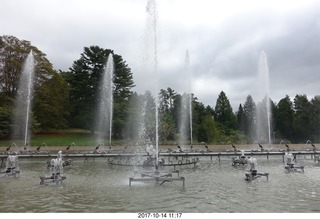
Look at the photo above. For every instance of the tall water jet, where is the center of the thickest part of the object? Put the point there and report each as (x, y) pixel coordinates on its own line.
(153, 153)
(188, 73)
(142, 126)
(186, 106)
(23, 103)
(153, 22)
(264, 109)
(105, 105)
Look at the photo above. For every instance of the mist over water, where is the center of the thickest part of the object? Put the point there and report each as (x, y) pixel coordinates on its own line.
(23, 102)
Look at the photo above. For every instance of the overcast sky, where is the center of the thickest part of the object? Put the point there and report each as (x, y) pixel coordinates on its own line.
(224, 40)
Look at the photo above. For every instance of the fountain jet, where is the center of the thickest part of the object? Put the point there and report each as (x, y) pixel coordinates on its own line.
(264, 111)
(152, 13)
(23, 103)
(156, 176)
(105, 106)
(186, 106)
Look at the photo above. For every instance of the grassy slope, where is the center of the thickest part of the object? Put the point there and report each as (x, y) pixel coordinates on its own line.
(59, 138)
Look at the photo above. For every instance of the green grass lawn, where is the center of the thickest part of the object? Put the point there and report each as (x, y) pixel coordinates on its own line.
(53, 140)
(78, 137)
(58, 138)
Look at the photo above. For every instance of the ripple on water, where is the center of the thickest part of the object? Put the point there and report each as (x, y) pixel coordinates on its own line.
(210, 187)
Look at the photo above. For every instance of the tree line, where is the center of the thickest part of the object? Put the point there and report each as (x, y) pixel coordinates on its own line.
(68, 99)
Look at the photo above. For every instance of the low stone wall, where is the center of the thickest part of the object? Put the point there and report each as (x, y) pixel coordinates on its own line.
(164, 148)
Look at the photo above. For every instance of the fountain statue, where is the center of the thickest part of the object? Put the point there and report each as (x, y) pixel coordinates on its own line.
(290, 163)
(12, 166)
(241, 160)
(56, 170)
(253, 174)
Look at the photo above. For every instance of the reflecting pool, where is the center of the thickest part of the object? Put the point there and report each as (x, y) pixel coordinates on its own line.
(210, 187)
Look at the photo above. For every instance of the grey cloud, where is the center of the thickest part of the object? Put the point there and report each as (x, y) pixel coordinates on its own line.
(224, 57)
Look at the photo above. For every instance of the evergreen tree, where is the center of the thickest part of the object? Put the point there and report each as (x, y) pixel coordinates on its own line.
(133, 122)
(210, 110)
(163, 101)
(199, 115)
(301, 119)
(149, 116)
(241, 119)
(249, 109)
(265, 121)
(284, 118)
(205, 128)
(211, 129)
(315, 118)
(84, 77)
(167, 128)
(224, 114)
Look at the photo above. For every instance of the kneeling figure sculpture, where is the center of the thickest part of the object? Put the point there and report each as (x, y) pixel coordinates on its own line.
(253, 174)
(12, 166)
(290, 164)
(242, 160)
(56, 170)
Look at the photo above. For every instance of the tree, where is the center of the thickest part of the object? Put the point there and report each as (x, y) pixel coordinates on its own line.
(163, 101)
(204, 126)
(284, 118)
(51, 104)
(210, 110)
(249, 109)
(167, 130)
(169, 102)
(223, 112)
(241, 119)
(199, 114)
(210, 127)
(168, 126)
(5, 123)
(315, 118)
(265, 121)
(149, 116)
(123, 83)
(134, 119)
(301, 119)
(171, 96)
(84, 77)
(13, 53)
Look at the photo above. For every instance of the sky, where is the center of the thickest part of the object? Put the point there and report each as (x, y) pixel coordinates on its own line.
(224, 40)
